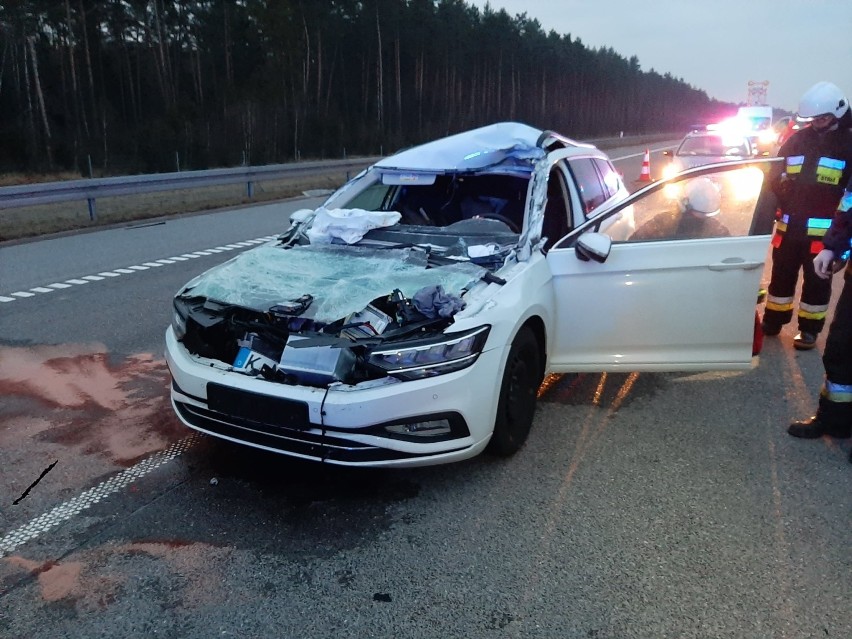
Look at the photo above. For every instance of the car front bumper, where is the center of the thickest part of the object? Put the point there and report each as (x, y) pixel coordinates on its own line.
(342, 424)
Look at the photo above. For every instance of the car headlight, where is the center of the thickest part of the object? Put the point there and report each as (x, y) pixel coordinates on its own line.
(767, 137)
(430, 357)
(670, 170)
(745, 183)
(180, 312)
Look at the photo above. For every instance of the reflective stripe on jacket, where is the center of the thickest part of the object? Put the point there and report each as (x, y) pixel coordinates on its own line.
(811, 180)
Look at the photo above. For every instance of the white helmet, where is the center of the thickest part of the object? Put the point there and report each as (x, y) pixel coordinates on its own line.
(821, 99)
(701, 197)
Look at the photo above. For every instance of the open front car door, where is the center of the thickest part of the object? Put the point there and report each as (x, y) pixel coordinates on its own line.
(676, 293)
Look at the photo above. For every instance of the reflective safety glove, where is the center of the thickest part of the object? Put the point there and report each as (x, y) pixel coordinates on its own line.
(824, 263)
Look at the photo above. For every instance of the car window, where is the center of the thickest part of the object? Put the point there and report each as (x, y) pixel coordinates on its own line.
(695, 146)
(556, 219)
(450, 199)
(736, 147)
(371, 199)
(668, 213)
(746, 208)
(714, 146)
(611, 178)
(589, 184)
(759, 124)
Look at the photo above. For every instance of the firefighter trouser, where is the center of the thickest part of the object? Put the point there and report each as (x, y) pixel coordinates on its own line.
(837, 358)
(795, 253)
(835, 398)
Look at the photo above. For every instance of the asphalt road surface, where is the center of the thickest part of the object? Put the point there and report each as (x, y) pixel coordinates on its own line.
(643, 505)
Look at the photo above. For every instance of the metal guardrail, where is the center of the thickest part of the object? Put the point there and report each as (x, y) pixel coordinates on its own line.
(93, 188)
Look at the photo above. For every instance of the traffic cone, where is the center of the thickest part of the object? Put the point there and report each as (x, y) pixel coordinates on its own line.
(645, 175)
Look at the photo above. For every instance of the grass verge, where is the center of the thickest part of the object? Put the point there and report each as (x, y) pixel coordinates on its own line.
(44, 219)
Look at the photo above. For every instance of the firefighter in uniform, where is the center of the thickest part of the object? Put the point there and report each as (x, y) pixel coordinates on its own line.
(817, 165)
(834, 413)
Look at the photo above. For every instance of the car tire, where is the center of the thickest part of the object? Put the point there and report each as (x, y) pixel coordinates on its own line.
(516, 405)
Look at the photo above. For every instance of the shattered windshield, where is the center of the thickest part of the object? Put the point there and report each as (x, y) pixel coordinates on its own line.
(449, 199)
(347, 277)
(476, 216)
(713, 146)
(467, 189)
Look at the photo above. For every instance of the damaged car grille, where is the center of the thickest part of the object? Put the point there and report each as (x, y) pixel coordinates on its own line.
(323, 446)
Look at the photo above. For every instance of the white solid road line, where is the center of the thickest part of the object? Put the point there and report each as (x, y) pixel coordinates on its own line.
(54, 517)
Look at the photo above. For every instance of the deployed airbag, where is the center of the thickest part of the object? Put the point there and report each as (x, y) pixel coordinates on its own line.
(349, 225)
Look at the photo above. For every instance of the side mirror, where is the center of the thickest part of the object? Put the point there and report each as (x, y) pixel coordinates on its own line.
(593, 246)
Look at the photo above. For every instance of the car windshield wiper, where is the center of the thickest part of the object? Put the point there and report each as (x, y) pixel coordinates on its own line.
(428, 249)
(433, 260)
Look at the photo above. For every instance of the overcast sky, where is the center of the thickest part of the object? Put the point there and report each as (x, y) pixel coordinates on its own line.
(717, 46)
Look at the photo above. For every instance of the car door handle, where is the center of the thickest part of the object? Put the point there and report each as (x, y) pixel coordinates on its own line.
(731, 263)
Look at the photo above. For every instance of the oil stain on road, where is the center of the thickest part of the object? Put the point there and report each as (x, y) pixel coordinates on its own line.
(79, 412)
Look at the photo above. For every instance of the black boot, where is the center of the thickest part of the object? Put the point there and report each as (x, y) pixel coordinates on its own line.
(832, 418)
(814, 427)
(804, 341)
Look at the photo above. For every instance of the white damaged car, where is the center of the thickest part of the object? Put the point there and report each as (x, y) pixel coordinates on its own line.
(411, 319)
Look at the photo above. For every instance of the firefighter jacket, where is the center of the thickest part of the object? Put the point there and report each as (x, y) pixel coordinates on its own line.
(839, 234)
(816, 168)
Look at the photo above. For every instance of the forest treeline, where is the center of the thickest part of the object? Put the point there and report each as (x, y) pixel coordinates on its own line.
(126, 86)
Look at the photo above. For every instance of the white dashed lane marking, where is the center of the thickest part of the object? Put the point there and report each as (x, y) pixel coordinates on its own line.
(144, 266)
(62, 513)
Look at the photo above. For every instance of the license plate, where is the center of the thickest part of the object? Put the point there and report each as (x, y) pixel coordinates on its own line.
(256, 407)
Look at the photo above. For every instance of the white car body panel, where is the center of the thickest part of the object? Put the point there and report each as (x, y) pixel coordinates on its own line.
(648, 306)
(685, 306)
(469, 392)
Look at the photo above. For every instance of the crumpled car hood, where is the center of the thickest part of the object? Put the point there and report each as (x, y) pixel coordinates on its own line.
(342, 279)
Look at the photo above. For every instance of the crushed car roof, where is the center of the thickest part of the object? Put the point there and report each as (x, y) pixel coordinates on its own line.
(504, 143)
